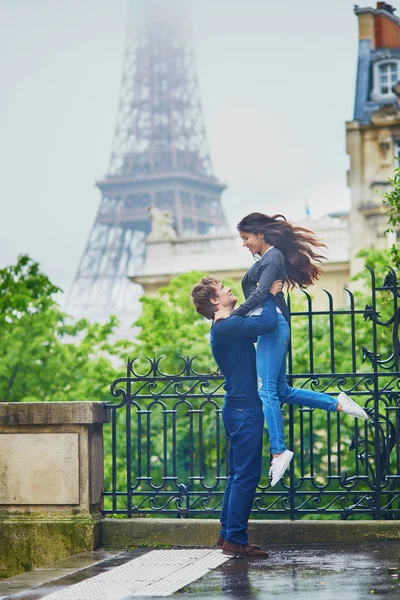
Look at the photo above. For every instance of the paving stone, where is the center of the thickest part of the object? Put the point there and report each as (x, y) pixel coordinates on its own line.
(158, 573)
(50, 574)
(82, 560)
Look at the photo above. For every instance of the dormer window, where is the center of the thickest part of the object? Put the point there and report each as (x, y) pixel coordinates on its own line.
(386, 75)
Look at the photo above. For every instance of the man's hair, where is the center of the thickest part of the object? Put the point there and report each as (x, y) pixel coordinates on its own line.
(201, 295)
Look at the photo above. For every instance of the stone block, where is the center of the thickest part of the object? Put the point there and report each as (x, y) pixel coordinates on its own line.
(30, 541)
(39, 468)
(53, 413)
(51, 481)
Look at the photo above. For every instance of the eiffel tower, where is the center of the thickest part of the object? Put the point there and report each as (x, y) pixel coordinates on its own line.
(159, 159)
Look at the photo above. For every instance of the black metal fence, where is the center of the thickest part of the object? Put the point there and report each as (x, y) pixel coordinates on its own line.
(166, 450)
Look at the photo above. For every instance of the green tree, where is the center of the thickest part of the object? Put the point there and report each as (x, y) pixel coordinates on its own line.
(44, 356)
(391, 204)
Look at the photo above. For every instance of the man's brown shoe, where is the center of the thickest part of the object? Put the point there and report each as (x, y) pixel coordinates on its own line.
(242, 551)
(221, 541)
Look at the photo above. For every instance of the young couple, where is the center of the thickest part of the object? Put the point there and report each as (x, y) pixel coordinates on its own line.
(255, 380)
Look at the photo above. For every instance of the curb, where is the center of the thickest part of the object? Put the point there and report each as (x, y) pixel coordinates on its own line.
(122, 533)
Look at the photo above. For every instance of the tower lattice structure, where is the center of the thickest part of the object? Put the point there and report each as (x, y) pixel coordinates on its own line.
(159, 159)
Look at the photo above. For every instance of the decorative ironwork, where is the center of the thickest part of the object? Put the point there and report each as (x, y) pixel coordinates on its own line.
(167, 443)
(159, 159)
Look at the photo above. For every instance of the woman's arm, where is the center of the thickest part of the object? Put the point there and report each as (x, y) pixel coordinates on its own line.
(268, 273)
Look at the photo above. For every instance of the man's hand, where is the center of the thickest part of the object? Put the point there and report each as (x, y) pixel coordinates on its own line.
(276, 287)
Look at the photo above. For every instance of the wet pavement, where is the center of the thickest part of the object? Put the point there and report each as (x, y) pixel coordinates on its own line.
(45, 580)
(293, 572)
(336, 571)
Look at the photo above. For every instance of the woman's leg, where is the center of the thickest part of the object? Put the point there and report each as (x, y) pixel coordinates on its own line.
(312, 399)
(303, 397)
(271, 358)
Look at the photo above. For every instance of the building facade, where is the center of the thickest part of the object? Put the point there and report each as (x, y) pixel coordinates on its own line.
(373, 136)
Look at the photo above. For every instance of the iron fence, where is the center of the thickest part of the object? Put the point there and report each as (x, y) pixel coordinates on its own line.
(166, 450)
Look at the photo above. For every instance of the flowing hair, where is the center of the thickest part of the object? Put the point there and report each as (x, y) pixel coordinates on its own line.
(297, 244)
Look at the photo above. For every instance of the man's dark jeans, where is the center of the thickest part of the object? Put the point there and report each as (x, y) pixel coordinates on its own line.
(244, 427)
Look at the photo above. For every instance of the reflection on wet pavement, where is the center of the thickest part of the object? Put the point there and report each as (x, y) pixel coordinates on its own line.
(343, 571)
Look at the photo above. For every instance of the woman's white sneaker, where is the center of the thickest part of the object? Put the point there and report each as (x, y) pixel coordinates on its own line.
(351, 408)
(279, 466)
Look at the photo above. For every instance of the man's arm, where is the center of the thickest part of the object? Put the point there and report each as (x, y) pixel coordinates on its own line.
(268, 274)
(251, 327)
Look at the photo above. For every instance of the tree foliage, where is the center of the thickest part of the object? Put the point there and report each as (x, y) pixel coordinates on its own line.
(44, 356)
(391, 204)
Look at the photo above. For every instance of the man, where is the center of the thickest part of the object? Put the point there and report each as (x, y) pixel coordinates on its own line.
(232, 344)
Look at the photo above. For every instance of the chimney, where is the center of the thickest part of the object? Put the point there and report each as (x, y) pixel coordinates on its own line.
(380, 26)
(384, 6)
(387, 30)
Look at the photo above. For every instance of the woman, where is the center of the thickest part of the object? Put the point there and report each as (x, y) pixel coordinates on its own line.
(288, 253)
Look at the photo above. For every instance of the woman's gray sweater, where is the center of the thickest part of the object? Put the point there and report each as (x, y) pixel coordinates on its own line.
(258, 280)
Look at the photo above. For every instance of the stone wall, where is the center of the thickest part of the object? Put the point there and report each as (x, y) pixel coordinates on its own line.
(51, 481)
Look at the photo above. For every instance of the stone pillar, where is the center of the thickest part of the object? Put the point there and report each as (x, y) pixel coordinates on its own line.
(51, 481)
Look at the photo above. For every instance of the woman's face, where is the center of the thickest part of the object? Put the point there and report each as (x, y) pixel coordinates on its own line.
(253, 241)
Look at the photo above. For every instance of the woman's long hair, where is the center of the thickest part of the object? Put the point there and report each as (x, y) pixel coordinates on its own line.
(297, 244)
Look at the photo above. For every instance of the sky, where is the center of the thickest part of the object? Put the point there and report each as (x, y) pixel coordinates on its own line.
(277, 82)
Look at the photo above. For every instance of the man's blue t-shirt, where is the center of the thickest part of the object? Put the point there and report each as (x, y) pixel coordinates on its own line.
(232, 345)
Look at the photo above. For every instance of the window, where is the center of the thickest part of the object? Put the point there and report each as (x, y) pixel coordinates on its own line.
(388, 77)
(386, 73)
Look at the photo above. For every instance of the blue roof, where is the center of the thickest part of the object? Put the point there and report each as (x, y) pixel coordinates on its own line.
(364, 107)
(363, 79)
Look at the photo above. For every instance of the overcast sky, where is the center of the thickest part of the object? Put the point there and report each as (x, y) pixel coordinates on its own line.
(277, 82)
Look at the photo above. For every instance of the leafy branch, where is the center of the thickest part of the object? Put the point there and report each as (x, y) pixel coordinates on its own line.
(391, 205)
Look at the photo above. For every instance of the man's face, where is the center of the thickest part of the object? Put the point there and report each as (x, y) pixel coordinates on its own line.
(225, 297)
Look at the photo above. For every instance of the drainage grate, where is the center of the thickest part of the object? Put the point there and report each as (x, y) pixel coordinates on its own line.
(157, 573)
